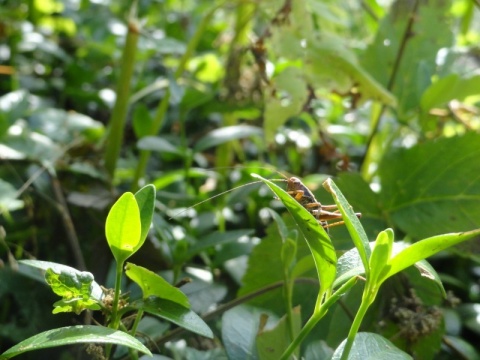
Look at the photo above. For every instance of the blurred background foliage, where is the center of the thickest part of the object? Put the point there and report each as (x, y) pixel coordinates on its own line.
(381, 95)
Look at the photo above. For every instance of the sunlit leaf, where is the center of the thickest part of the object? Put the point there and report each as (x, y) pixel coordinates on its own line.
(317, 239)
(175, 313)
(352, 223)
(154, 285)
(73, 335)
(75, 289)
(123, 227)
(26, 265)
(146, 203)
(373, 347)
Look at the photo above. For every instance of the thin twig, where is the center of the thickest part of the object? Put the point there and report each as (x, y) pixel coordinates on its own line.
(222, 308)
(72, 237)
(398, 59)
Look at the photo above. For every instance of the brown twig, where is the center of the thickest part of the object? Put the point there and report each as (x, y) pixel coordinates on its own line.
(398, 59)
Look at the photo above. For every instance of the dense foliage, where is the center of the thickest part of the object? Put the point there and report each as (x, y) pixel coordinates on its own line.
(100, 98)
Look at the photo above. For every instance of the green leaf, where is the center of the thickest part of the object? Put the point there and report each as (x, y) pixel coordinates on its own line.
(363, 200)
(418, 58)
(73, 335)
(95, 289)
(381, 253)
(146, 203)
(426, 248)
(74, 288)
(330, 61)
(433, 187)
(273, 342)
(372, 347)
(317, 239)
(352, 223)
(142, 121)
(464, 349)
(226, 134)
(174, 313)
(350, 264)
(156, 143)
(217, 238)
(278, 109)
(154, 285)
(123, 228)
(239, 328)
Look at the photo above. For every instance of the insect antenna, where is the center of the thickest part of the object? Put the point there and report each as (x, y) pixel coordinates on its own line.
(220, 194)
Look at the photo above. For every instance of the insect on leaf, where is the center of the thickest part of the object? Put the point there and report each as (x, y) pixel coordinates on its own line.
(317, 239)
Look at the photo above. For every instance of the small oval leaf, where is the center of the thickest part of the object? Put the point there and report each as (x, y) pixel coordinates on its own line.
(123, 227)
(154, 285)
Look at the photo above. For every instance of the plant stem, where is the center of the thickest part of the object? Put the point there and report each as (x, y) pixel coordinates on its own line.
(222, 308)
(114, 321)
(367, 300)
(138, 317)
(288, 294)
(316, 316)
(401, 51)
(163, 106)
(119, 113)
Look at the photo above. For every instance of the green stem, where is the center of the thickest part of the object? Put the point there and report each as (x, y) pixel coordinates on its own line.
(222, 308)
(119, 113)
(288, 294)
(163, 106)
(115, 320)
(316, 316)
(136, 322)
(367, 300)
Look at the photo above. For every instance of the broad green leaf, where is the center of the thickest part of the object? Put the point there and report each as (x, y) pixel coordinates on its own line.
(64, 126)
(350, 264)
(451, 87)
(425, 248)
(330, 61)
(142, 120)
(287, 101)
(418, 58)
(171, 177)
(226, 134)
(156, 143)
(352, 223)
(372, 347)
(95, 293)
(239, 329)
(464, 349)
(433, 187)
(75, 290)
(264, 268)
(174, 313)
(273, 342)
(146, 203)
(217, 238)
(441, 92)
(317, 239)
(9, 197)
(282, 228)
(123, 228)
(154, 285)
(73, 335)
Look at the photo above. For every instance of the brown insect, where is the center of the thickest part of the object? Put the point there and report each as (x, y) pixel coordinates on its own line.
(302, 194)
